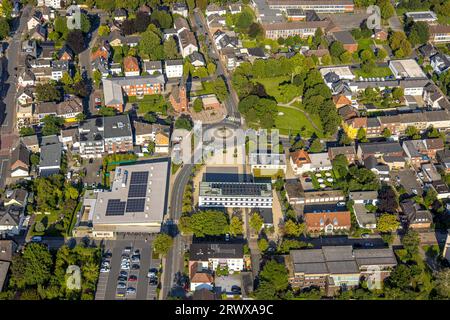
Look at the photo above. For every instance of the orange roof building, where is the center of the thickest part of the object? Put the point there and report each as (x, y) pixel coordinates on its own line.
(300, 157)
(326, 217)
(131, 66)
(341, 101)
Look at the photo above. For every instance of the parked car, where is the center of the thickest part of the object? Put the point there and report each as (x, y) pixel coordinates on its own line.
(104, 270)
(132, 278)
(131, 290)
(152, 273)
(123, 273)
(135, 267)
(153, 281)
(36, 239)
(121, 285)
(122, 278)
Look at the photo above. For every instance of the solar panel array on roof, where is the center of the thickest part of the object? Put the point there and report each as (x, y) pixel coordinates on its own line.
(139, 177)
(137, 191)
(236, 189)
(136, 205)
(115, 207)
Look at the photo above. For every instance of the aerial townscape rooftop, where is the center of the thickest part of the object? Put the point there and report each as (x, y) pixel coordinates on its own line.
(225, 150)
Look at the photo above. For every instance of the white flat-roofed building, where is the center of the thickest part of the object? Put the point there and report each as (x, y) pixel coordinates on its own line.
(173, 68)
(267, 162)
(136, 202)
(209, 256)
(235, 195)
(344, 72)
(424, 16)
(406, 68)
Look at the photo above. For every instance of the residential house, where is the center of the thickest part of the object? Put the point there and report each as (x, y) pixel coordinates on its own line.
(327, 218)
(348, 151)
(103, 51)
(380, 169)
(180, 8)
(25, 95)
(55, 4)
(334, 267)
(296, 195)
(215, 22)
(117, 39)
(116, 69)
(347, 40)
(153, 67)
(59, 68)
(302, 161)
(173, 68)
(145, 9)
(414, 215)
(440, 63)
(210, 255)
(65, 53)
(114, 89)
(11, 220)
(210, 102)
(35, 20)
(439, 33)
(26, 78)
(120, 14)
(434, 98)
(162, 139)
(117, 134)
(379, 150)
(443, 158)
(427, 51)
(422, 151)
(91, 138)
(131, 67)
(397, 124)
(197, 60)
(235, 8)
(39, 33)
(70, 138)
(361, 199)
(31, 143)
(50, 159)
(215, 9)
(20, 161)
(187, 43)
(380, 34)
(200, 278)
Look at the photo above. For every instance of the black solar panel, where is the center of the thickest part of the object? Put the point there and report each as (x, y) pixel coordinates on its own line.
(115, 207)
(137, 191)
(236, 189)
(139, 177)
(136, 205)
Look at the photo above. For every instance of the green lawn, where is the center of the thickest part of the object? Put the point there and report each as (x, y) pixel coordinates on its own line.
(271, 85)
(378, 72)
(150, 103)
(293, 121)
(364, 44)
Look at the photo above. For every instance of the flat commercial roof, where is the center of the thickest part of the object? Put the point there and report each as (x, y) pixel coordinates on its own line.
(343, 72)
(234, 189)
(137, 196)
(407, 68)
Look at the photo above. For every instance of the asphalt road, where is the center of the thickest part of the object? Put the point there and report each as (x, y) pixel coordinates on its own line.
(8, 92)
(174, 259)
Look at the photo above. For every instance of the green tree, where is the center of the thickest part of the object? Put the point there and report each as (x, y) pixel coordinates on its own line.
(46, 92)
(387, 223)
(184, 122)
(206, 223)
(412, 132)
(419, 33)
(4, 28)
(432, 132)
(442, 283)
(170, 49)
(316, 146)
(26, 131)
(293, 229)
(150, 45)
(236, 226)
(361, 135)
(161, 19)
(256, 222)
(211, 68)
(162, 243)
(411, 241)
(52, 125)
(220, 89)
(33, 267)
(34, 159)
(39, 226)
(198, 105)
(103, 31)
(401, 277)
(386, 133)
(276, 274)
(263, 245)
(386, 8)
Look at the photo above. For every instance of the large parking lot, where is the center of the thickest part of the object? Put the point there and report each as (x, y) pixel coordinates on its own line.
(128, 263)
